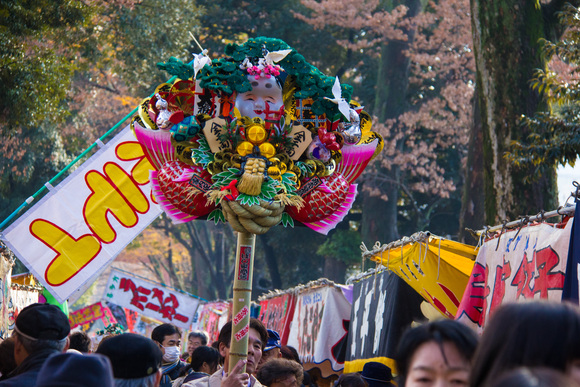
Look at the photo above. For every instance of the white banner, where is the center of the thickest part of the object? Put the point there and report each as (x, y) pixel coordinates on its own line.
(82, 224)
(525, 264)
(150, 299)
(318, 330)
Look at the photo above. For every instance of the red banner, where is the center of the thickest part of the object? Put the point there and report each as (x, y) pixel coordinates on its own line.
(276, 313)
(91, 313)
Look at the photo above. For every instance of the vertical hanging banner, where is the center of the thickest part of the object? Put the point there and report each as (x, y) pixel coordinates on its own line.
(212, 317)
(529, 263)
(383, 307)
(82, 224)
(5, 273)
(571, 290)
(276, 313)
(150, 299)
(320, 328)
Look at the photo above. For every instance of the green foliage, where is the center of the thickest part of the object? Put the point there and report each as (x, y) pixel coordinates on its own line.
(149, 32)
(342, 245)
(35, 70)
(555, 137)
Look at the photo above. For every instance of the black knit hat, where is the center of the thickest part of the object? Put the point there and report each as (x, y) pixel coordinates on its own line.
(74, 370)
(377, 374)
(42, 321)
(133, 356)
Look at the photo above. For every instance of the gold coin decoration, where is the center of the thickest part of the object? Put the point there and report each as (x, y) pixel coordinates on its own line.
(267, 150)
(256, 134)
(245, 148)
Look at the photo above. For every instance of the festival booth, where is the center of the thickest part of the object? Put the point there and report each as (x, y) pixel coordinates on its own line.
(437, 268)
(320, 326)
(521, 260)
(383, 307)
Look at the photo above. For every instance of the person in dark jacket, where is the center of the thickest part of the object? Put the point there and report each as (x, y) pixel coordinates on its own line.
(168, 338)
(40, 331)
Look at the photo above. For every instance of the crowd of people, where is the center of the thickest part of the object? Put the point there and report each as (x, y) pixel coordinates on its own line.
(529, 344)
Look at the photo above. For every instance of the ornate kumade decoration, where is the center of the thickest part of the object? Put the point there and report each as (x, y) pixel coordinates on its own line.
(257, 138)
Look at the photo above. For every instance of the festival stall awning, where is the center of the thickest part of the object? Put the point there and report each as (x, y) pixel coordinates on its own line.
(383, 307)
(320, 326)
(437, 268)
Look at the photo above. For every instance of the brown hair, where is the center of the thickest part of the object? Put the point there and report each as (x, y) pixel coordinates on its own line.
(278, 369)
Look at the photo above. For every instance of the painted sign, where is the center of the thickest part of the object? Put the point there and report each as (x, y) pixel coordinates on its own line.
(383, 306)
(150, 299)
(320, 326)
(82, 224)
(90, 313)
(276, 313)
(522, 264)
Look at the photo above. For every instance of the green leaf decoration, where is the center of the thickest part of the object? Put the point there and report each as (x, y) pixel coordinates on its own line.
(305, 169)
(203, 154)
(224, 178)
(248, 200)
(269, 190)
(217, 216)
(176, 67)
(289, 184)
(287, 220)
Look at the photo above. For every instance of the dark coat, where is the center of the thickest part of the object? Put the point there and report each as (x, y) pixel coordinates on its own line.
(26, 373)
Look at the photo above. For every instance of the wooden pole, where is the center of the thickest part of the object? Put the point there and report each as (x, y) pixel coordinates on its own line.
(241, 299)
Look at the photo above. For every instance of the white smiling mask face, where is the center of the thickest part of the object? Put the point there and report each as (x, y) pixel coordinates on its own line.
(265, 93)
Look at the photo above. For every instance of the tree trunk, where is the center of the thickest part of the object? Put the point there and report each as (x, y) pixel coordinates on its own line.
(380, 217)
(472, 210)
(334, 269)
(505, 40)
(271, 261)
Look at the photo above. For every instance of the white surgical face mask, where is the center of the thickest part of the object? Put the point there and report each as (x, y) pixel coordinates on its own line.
(171, 354)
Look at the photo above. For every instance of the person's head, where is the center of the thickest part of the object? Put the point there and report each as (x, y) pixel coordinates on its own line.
(168, 337)
(272, 347)
(280, 373)
(136, 360)
(350, 380)
(290, 353)
(377, 374)
(529, 334)
(205, 359)
(80, 341)
(266, 94)
(195, 339)
(534, 377)
(39, 327)
(7, 362)
(74, 370)
(435, 352)
(258, 336)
